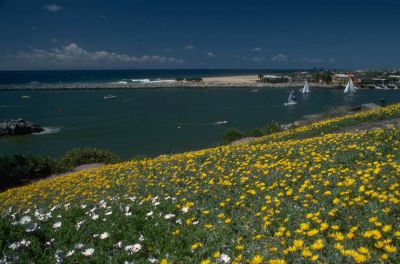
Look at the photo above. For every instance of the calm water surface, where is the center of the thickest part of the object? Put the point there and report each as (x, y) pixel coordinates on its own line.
(153, 122)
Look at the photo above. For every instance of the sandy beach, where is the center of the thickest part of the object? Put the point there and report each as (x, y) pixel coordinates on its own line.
(239, 81)
(244, 79)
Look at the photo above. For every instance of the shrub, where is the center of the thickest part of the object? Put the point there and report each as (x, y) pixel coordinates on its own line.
(194, 79)
(231, 135)
(255, 133)
(179, 79)
(19, 169)
(272, 127)
(78, 157)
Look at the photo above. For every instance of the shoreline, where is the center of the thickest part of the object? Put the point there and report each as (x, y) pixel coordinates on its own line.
(240, 81)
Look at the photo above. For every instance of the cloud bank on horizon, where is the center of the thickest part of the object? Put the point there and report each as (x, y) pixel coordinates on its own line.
(73, 55)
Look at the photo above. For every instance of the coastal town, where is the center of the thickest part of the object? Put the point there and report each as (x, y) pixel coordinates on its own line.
(368, 79)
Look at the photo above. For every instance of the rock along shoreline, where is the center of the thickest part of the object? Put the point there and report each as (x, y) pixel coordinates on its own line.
(19, 127)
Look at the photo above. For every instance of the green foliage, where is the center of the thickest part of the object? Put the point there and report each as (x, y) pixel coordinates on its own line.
(16, 170)
(19, 169)
(271, 127)
(194, 79)
(78, 157)
(255, 133)
(179, 79)
(231, 135)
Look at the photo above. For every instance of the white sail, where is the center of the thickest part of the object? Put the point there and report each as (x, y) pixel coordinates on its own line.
(350, 88)
(306, 88)
(290, 96)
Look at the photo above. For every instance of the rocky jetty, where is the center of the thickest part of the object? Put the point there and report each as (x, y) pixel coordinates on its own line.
(19, 127)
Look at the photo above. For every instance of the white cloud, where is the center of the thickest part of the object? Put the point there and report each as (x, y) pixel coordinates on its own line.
(211, 54)
(189, 47)
(168, 50)
(53, 40)
(308, 60)
(280, 58)
(256, 49)
(73, 55)
(52, 7)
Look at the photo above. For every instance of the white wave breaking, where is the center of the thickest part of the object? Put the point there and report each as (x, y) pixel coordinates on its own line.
(48, 130)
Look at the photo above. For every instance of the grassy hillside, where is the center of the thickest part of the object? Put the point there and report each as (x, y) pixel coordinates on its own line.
(298, 196)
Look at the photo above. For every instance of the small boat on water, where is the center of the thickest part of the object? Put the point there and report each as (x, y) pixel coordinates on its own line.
(393, 86)
(292, 100)
(108, 97)
(350, 88)
(306, 88)
(220, 123)
(255, 91)
(25, 96)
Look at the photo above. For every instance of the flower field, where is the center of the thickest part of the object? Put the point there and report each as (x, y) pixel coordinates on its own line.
(299, 196)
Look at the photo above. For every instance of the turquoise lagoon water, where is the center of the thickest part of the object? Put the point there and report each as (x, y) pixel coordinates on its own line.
(156, 121)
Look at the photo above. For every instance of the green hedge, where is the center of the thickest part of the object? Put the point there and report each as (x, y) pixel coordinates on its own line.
(16, 170)
(78, 157)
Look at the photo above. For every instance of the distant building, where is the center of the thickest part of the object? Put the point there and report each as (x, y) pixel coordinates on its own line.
(269, 78)
(394, 78)
(302, 76)
(340, 79)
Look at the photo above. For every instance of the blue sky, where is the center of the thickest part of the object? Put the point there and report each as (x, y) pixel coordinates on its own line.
(134, 34)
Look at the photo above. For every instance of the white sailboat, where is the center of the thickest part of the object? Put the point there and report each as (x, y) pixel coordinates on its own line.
(350, 88)
(291, 99)
(306, 88)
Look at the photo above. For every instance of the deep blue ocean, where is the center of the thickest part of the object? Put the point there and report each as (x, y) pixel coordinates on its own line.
(99, 76)
(151, 121)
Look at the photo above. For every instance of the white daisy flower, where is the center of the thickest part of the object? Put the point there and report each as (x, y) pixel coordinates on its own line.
(118, 245)
(70, 253)
(224, 258)
(57, 225)
(149, 213)
(169, 216)
(14, 245)
(185, 209)
(25, 219)
(25, 242)
(104, 235)
(141, 238)
(54, 207)
(152, 260)
(79, 246)
(79, 224)
(95, 216)
(88, 252)
(132, 249)
(31, 227)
